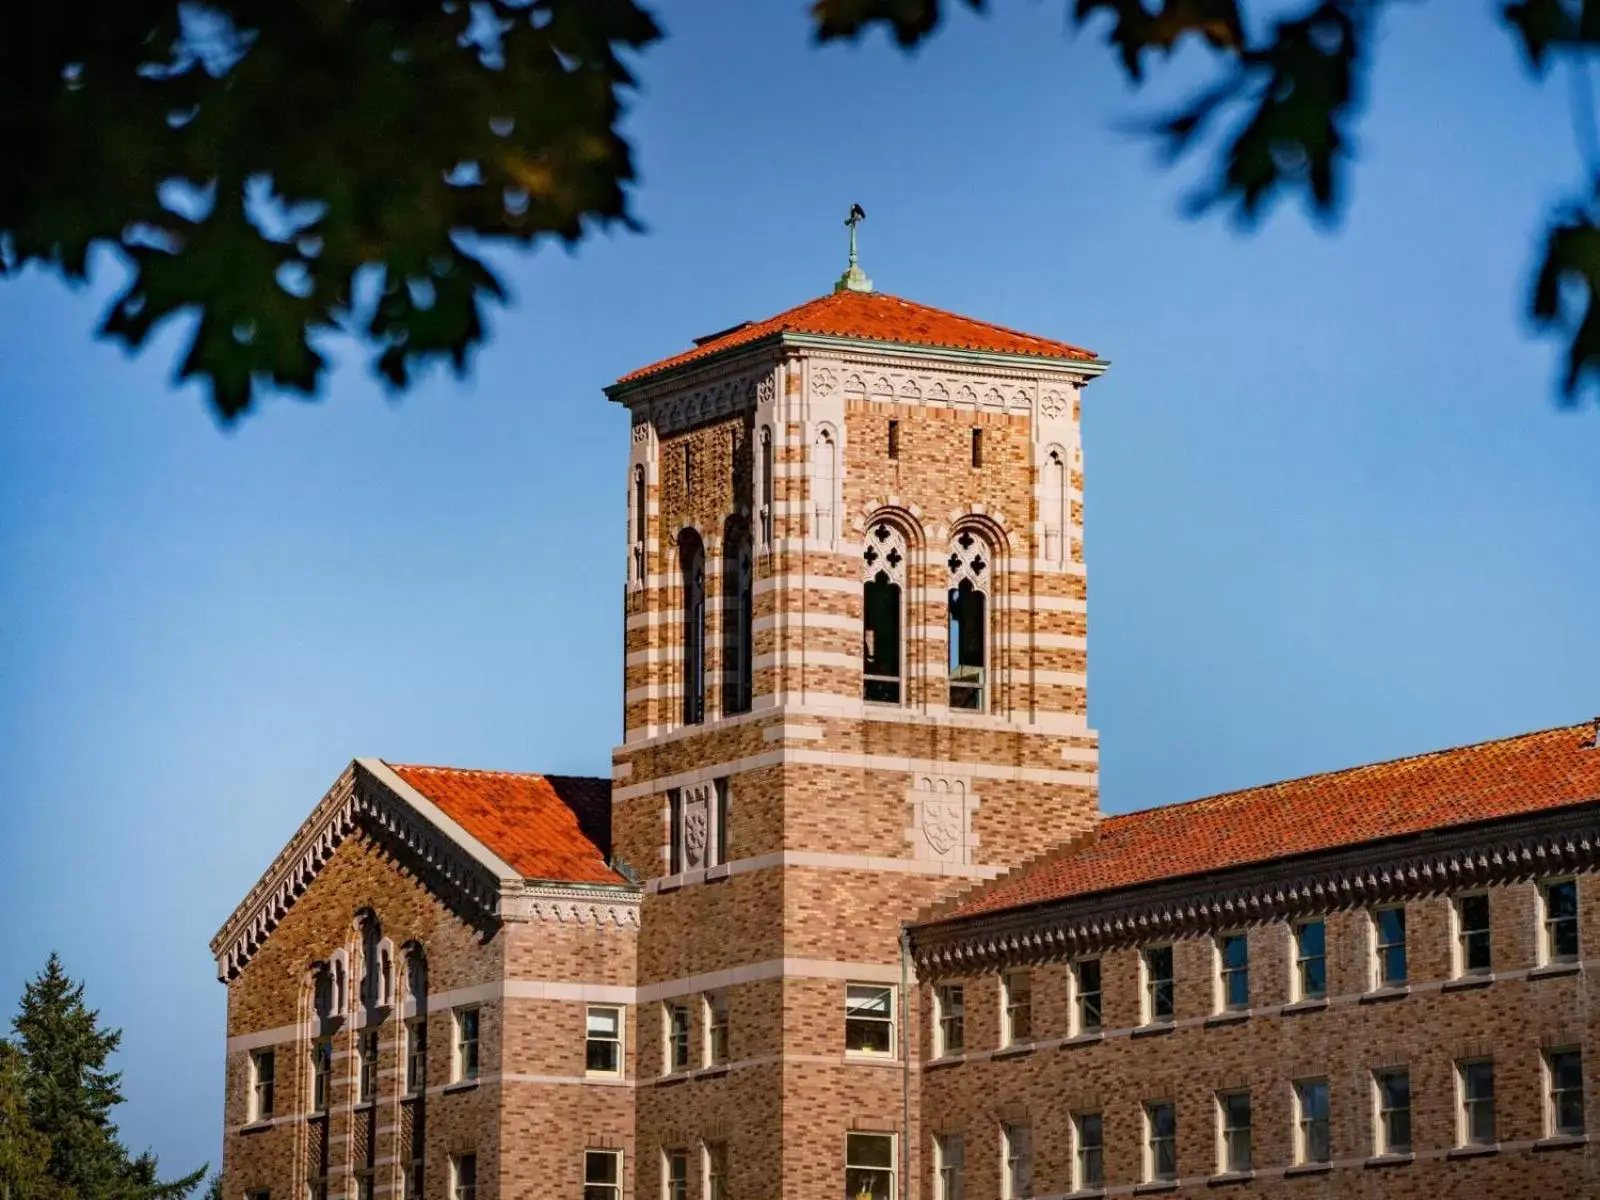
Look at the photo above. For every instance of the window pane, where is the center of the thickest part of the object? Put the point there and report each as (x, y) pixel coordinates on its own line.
(1561, 917)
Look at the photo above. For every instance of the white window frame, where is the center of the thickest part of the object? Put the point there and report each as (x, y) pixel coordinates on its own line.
(1148, 984)
(1016, 1160)
(620, 1015)
(595, 1189)
(891, 1021)
(1303, 1121)
(465, 1067)
(1298, 962)
(1547, 953)
(1458, 936)
(1463, 1114)
(1552, 1107)
(944, 1018)
(458, 1190)
(1009, 1008)
(671, 1042)
(367, 1066)
(1079, 1026)
(891, 1171)
(713, 1183)
(949, 1169)
(1382, 1141)
(669, 1158)
(714, 1019)
(1147, 1171)
(1080, 1176)
(321, 1074)
(416, 1035)
(1225, 1163)
(1376, 947)
(1219, 954)
(259, 1107)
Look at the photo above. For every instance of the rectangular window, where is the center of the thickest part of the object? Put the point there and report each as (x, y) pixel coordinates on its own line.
(316, 1189)
(464, 1177)
(1017, 1182)
(1559, 901)
(950, 1160)
(1088, 1151)
(716, 1170)
(869, 1166)
(949, 1000)
(1311, 1136)
(1471, 916)
(1310, 960)
(1475, 1117)
(1564, 1080)
(977, 447)
(466, 1056)
(321, 1073)
(675, 1175)
(416, 1056)
(263, 1067)
(602, 1175)
(674, 832)
(1086, 995)
(1394, 1111)
(716, 1019)
(881, 664)
(1233, 972)
(1017, 990)
(364, 1185)
(894, 439)
(868, 1019)
(367, 1076)
(675, 1023)
(602, 1050)
(411, 1180)
(1389, 946)
(720, 844)
(258, 1194)
(1160, 1142)
(1233, 1132)
(1156, 963)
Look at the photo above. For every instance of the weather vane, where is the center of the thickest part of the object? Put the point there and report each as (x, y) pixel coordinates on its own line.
(854, 278)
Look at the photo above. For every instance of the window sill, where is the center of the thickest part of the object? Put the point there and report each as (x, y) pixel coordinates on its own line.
(460, 1085)
(672, 1077)
(1473, 1151)
(1217, 1020)
(257, 1126)
(1383, 994)
(1316, 1168)
(606, 1076)
(868, 1056)
(1092, 1193)
(1151, 1029)
(943, 1061)
(718, 873)
(1562, 1141)
(712, 1072)
(1155, 1185)
(669, 883)
(1015, 1050)
(1389, 1160)
(1462, 983)
(1315, 1004)
(1083, 1039)
(1226, 1178)
(1554, 970)
(364, 1105)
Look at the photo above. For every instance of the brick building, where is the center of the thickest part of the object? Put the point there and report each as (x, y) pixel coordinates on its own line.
(854, 708)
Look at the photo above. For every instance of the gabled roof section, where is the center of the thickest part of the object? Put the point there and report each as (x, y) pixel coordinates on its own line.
(1534, 772)
(536, 823)
(874, 317)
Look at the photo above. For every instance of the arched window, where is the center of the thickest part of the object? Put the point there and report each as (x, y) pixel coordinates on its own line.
(883, 575)
(766, 488)
(825, 470)
(970, 573)
(737, 614)
(338, 983)
(692, 560)
(1055, 508)
(637, 532)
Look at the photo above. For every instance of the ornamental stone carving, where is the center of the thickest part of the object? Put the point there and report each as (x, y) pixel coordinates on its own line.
(696, 825)
(941, 820)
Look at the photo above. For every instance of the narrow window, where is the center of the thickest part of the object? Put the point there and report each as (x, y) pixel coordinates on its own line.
(766, 488)
(894, 438)
(1394, 1111)
(1055, 509)
(1475, 1087)
(691, 554)
(869, 1166)
(675, 1020)
(740, 668)
(602, 1175)
(1018, 1179)
(1560, 905)
(1471, 915)
(676, 1175)
(602, 1051)
(968, 624)
(316, 1189)
(716, 1170)
(1311, 1140)
(1310, 960)
(1389, 946)
(1160, 1142)
(639, 515)
(1158, 986)
(1018, 997)
(674, 832)
(868, 1019)
(883, 578)
(1233, 972)
(466, 1056)
(416, 1056)
(950, 1002)
(258, 1194)
(1088, 1151)
(716, 1022)
(950, 1152)
(824, 456)
(720, 834)
(364, 1185)
(1564, 1086)
(410, 1181)
(977, 447)
(263, 1067)
(1086, 995)
(1233, 1118)
(464, 1177)
(321, 1073)
(367, 1077)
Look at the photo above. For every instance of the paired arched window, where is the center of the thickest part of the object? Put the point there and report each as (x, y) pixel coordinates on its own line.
(971, 570)
(737, 616)
(638, 523)
(692, 561)
(883, 576)
(1054, 507)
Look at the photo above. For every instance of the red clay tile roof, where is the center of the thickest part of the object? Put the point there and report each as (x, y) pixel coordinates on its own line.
(536, 823)
(874, 316)
(1535, 771)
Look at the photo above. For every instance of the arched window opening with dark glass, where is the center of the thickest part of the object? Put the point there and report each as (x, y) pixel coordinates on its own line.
(692, 557)
(968, 621)
(882, 591)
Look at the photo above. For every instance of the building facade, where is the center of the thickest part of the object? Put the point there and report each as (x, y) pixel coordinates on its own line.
(815, 935)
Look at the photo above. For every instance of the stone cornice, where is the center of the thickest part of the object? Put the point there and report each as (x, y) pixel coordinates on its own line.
(1442, 860)
(600, 905)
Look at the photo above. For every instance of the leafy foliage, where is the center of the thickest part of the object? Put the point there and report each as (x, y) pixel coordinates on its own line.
(280, 168)
(1284, 106)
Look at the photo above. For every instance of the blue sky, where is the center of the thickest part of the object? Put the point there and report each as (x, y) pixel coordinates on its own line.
(1334, 513)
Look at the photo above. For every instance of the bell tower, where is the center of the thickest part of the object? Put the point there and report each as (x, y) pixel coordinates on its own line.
(854, 686)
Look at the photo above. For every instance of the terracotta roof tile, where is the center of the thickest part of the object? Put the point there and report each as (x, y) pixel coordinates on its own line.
(874, 316)
(1549, 769)
(544, 826)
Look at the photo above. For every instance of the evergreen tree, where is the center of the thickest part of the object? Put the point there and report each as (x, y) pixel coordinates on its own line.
(69, 1094)
(24, 1152)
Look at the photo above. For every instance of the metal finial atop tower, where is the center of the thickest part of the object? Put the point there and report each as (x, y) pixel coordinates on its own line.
(854, 278)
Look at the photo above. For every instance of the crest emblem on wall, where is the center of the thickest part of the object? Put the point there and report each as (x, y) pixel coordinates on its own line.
(941, 823)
